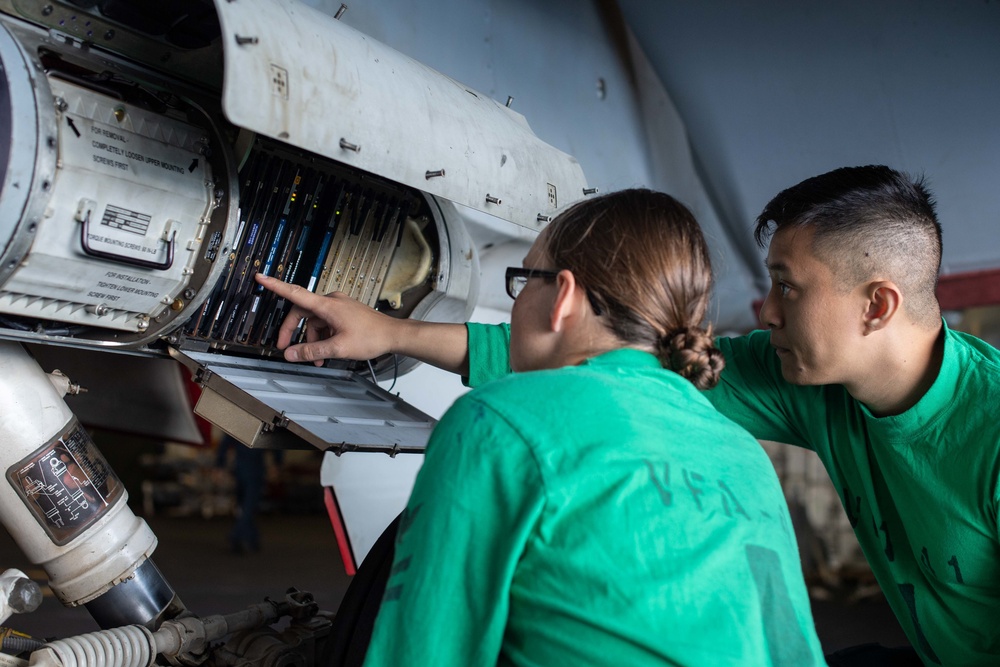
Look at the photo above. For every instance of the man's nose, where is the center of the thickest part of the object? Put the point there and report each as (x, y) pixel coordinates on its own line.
(769, 313)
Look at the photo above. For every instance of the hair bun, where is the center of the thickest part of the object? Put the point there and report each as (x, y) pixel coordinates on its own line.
(691, 353)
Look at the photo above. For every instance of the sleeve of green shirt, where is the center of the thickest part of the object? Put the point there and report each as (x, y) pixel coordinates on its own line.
(752, 391)
(489, 353)
(475, 502)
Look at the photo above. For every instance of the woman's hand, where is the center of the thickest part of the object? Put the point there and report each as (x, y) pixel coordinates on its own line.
(336, 326)
(339, 327)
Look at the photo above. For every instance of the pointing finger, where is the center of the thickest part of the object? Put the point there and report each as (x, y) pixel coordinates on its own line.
(300, 296)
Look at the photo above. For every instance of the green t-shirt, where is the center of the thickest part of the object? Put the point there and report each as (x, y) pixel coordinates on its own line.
(601, 514)
(922, 489)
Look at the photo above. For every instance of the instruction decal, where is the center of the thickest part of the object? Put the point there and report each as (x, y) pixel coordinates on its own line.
(66, 485)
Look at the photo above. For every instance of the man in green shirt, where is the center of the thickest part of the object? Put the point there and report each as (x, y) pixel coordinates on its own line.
(858, 366)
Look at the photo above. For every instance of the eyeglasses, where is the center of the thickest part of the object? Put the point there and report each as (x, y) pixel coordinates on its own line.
(517, 278)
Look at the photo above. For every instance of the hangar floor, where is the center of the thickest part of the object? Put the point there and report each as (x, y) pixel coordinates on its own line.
(300, 550)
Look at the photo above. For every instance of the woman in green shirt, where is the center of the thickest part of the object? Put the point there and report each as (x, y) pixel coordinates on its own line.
(593, 508)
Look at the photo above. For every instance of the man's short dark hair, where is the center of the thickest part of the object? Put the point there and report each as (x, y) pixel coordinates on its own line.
(870, 223)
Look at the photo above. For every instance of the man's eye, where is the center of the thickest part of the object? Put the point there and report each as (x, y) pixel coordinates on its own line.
(783, 289)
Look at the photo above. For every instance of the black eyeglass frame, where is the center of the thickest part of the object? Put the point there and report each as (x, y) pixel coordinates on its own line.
(515, 272)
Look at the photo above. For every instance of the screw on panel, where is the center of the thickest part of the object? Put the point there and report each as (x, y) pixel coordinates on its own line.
(100, 309)
(543, 218)
(119, 114)
(109, 35)
(61, 104)
(243, 40)
(590, 191)
(510, 100)
(46, 10)
(340, 12)
(348, 146)
(490, 199)
(434, 174)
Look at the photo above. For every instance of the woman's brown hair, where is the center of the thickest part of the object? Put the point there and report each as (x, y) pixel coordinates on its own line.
(644, 262)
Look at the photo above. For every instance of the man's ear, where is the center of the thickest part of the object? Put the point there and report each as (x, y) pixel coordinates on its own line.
(884, 302)
(567, 303)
